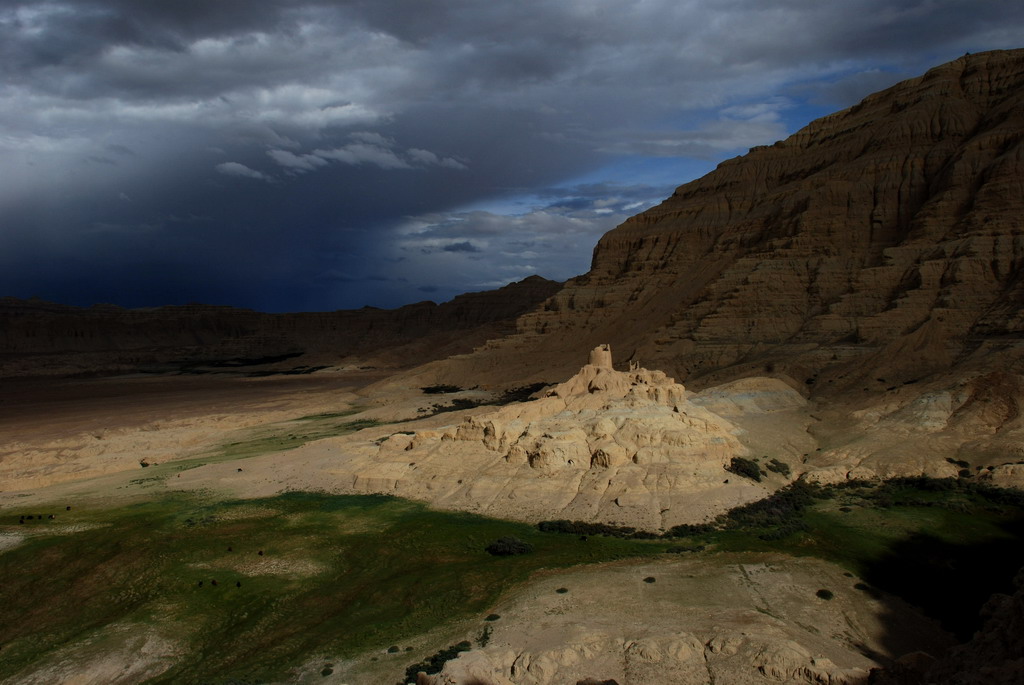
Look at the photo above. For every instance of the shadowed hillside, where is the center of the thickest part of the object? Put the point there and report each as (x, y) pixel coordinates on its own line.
(40, 338)
(882, 241)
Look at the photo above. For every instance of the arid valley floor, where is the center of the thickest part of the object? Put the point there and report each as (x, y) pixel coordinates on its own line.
(774, 435)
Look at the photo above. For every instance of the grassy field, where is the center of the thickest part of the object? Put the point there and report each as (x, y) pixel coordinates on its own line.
(337, 575)
(304, 575)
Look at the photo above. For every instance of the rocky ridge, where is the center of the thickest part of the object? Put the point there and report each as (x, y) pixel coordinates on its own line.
(44, 339)
(622, 447)
(882, 238)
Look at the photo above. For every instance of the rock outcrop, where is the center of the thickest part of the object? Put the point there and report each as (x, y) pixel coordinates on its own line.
(621, 447)
(702, 621)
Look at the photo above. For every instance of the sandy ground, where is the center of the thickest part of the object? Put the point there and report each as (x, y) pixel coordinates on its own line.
(725, 618)
(76, 436)
(736, 618)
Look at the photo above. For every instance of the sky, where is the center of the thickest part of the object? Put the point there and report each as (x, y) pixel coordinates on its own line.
(314, 155)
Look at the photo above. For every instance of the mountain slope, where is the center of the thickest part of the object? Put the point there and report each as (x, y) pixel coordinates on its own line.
(885, 239)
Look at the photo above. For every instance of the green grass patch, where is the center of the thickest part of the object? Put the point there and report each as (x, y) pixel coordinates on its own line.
(288, 436)
(338, 575)
(279, 437)
(303, 575)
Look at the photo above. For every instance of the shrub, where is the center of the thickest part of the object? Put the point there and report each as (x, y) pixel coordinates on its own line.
(584, 528)
(780, 467)
(440, 389)
(824, 594)
(562, 590)
(783, 508)
(745, 467)
(492, 617)
(434, 663)
(685, 530)
(508, 546)
(649, 579)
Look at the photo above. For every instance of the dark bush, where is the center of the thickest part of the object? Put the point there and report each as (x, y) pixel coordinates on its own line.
(562, 590)
(824, 594)
(783, 508)
(434, 663)
(440, 389)
(650, 579)
(584, 528)
(867, 589)
(780, 467)
(685, 530)
(492, 617)
(508, 546)
(745, 467)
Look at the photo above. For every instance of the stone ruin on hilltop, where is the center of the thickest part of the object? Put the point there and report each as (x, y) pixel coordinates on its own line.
(617, 446)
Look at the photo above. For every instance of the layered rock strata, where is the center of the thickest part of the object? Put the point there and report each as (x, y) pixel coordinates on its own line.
(622, 447)
(881, 241)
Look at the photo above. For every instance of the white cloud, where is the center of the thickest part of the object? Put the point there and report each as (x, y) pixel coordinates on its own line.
(710, 140)
(237, 169)
(428, 158)
(296, 162)
(364, 153)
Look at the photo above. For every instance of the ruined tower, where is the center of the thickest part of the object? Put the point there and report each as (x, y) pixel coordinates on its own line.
(601, 356)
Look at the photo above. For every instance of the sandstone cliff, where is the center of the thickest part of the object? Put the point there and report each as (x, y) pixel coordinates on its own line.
(883, 241)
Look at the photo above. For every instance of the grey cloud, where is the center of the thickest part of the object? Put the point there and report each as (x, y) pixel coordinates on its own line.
(853, 88)
(383, 128)
(364, 153)
(297, 162)
(237, 169)
(464, 246)
(712, 139)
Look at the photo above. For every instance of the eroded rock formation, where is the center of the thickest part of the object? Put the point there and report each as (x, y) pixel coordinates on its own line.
(883, 241)
(622, 447)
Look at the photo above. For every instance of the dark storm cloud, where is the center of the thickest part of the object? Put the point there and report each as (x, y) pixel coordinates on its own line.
(464, 246)
(356, 151)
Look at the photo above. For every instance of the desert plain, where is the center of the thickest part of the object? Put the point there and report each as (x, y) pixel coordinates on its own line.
(773, 435)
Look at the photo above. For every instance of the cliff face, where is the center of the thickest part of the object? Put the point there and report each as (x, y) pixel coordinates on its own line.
(884, 239)
(38, 338)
